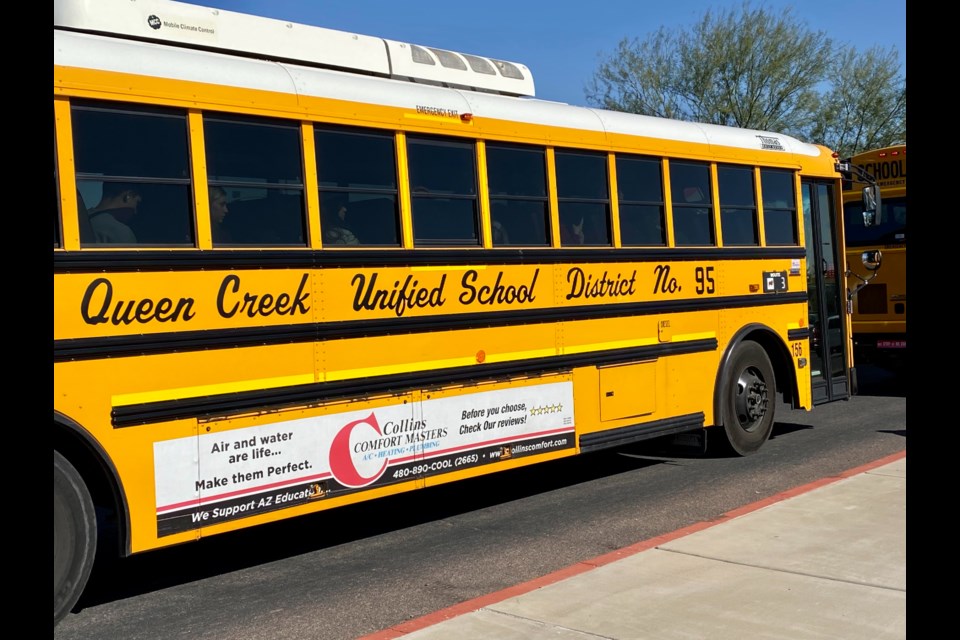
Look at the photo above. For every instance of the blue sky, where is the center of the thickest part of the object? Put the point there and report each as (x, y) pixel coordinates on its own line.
(563, 42)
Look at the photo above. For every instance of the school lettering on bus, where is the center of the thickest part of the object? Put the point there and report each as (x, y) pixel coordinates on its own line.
(99, 307)
(586, 285)
(231, 300)
(888, 172)
(251, 298)
(498, 292)
(398, 297)
(102, 305)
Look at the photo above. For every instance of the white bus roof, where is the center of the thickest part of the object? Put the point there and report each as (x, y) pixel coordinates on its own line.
(175, 61)
(216, 29)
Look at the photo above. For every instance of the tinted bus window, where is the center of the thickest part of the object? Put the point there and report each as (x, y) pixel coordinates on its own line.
(133, 173)
(640, 196)
(890, 226)
(519, 209)
(779, 207)
(583, 194)
(738, 206)
(357, 173)
(258, 164)
(443, 179)
(692, 204)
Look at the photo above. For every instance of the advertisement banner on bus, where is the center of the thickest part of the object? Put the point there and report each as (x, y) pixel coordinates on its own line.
(225, 475)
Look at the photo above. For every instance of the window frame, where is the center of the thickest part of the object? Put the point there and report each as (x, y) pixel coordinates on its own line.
(789, 209)
(623, 201)
(582, 200)
(347, 194)
(423, 193)
(280, 191)
(728, 209)
(519, 198)
(155, 184)
(678, 205)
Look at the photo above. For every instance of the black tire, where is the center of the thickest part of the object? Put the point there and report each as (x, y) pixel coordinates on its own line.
(74, 536)
(749, 399)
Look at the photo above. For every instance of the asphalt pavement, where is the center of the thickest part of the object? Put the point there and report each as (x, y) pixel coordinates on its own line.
(823, 561)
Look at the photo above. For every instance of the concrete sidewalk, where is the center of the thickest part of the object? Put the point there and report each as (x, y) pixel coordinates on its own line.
(823, 561)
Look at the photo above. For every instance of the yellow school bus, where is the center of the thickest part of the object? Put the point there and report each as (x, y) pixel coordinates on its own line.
(880, 309)
(296, 269)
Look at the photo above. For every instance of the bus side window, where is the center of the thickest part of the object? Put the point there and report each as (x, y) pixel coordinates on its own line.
(583, 196)
(141, 153)
(376, 221)
(640, 198)
(259, 162)
(738, 206)
(779, 207)
(285, 215)
(262, 217)
(519, 211)
(444, 197)
(692, 204)
(357, 169)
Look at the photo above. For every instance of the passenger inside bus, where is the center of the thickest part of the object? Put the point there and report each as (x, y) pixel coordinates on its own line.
(500, 235)
(336, 230)
(498, 216)
(218, 216)
(572, 232)
(111, 217)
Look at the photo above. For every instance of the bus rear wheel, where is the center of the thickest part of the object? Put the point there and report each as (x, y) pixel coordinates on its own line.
(74, 536)
(749, 399)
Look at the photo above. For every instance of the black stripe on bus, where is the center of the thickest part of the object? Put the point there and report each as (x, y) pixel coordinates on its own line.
(638, 432)
(798, 334)
(221, 405)
(174, 259)
(126, 346)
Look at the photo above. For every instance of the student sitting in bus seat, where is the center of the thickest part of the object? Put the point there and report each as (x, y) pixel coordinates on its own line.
(335, 228)
(500, 235)
(595, 230)
(498, 213)
(572, 232)
(218, 216)
(111, 216)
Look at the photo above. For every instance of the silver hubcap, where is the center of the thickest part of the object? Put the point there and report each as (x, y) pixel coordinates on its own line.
(751, 401)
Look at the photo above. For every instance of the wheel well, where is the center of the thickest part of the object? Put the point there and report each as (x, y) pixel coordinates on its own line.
(77, 446)
(779, 357)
